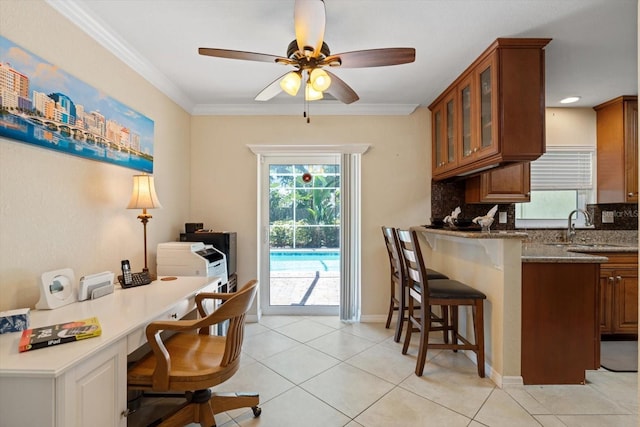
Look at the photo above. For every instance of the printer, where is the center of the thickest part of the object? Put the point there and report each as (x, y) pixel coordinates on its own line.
(191, 259)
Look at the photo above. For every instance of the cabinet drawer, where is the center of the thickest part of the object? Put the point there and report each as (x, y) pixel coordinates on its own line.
(138, 338)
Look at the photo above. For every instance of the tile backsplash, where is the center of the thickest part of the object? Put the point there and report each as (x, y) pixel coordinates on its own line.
(446, 196)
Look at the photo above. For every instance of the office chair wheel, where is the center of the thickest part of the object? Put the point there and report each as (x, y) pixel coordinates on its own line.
(256, 411)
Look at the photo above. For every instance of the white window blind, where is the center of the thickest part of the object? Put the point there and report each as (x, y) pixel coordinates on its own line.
(563, 170)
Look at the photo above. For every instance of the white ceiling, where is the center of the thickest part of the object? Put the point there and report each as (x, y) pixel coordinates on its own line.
(593, 53)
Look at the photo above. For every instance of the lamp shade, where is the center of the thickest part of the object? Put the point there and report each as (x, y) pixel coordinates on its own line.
(144, 193)
(311, 94)
(291, 83)
(320, 80)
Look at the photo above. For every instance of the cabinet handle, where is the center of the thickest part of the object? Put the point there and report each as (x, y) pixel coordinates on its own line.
(630, 194)
(611, 279)
(618, 278)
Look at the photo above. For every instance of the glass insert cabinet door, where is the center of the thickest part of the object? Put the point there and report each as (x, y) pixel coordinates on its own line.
(467, 139)
(486, 117)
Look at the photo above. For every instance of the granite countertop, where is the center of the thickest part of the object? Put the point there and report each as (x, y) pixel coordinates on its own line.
(472, 233)
(559, 252)
(563, 252)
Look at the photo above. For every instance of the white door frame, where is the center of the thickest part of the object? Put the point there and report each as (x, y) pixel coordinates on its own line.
(350, 263)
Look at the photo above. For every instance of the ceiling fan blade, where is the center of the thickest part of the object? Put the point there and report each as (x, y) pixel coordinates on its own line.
(373, 57)
(272, 90)
(309, 18)
(341, 90)
(238, 54)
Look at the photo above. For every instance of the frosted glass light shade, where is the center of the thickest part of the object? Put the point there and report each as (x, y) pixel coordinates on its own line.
(310, 94)
(320, 80)
(144, 194)
(291, 83)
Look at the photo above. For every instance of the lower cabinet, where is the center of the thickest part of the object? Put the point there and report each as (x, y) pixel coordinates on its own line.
(93, 393)
(560, 333)
(619, 294)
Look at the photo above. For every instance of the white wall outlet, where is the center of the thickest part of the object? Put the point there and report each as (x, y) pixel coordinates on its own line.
(607, 217)
(502, 218)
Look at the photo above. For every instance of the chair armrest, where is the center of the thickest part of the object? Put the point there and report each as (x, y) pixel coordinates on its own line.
(207, 296)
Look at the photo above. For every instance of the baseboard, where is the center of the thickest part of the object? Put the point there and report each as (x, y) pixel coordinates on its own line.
(374, 318)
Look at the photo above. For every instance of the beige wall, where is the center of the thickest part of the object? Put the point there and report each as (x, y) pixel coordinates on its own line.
(571, 126)
(60, 211)
(395, 181)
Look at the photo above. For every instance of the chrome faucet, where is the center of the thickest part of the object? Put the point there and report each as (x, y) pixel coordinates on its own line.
(571, 227)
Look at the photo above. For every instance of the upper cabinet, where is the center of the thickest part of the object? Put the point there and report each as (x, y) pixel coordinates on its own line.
(493, 113)
(617, 135)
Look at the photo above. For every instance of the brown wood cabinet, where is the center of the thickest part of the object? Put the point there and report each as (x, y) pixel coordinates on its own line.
(617, 134)
(507, 184)
(619, 294)
(493, 113)
(560, 331)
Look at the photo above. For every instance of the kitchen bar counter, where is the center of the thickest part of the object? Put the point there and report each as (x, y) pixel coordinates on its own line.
(494, 263)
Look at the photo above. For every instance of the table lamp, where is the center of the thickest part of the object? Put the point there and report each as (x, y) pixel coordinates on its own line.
(144, 197)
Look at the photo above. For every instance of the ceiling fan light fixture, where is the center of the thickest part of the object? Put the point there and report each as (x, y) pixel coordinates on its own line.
(320, 80)
(291, 83)
(310, 94)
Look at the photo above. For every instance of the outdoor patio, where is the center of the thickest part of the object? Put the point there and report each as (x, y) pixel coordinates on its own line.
(305, 288)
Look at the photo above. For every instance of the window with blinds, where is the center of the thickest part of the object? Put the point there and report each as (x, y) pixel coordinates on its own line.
(561, 181)
(563, 170)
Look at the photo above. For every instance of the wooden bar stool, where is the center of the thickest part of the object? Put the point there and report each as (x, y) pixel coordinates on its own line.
(398, 300)
(449, 294)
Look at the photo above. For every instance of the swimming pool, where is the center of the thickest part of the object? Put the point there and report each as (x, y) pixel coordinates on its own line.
(305, 260)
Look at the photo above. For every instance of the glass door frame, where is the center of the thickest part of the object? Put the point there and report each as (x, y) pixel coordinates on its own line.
(350, 239)
(265, 247)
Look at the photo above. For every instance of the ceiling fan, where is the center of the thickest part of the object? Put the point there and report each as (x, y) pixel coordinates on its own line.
(309, 54)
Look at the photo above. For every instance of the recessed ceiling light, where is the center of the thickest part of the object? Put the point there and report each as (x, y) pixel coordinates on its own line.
(570, 100)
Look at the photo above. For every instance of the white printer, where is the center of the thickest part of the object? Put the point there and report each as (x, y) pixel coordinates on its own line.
(191, 259)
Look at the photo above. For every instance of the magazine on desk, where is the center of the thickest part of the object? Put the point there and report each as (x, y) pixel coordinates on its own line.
(60, 333)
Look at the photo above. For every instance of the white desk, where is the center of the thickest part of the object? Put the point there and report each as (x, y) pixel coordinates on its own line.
(85, 382)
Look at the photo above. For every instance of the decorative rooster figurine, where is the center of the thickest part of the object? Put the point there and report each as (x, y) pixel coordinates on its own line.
(449, 219)
(486, 221)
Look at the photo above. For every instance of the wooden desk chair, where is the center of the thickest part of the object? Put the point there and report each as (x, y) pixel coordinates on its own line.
(192, 360)
(398, 300)
(447, 293)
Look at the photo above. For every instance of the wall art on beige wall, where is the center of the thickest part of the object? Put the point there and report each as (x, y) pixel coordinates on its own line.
(40, 104)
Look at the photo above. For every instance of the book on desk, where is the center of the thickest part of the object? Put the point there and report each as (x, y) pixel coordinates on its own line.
(61, 333)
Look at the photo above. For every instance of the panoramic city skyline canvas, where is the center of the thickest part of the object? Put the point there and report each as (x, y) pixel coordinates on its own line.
(42, 105)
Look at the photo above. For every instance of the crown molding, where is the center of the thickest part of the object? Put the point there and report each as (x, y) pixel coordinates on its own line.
(75, 12)
(100, 32)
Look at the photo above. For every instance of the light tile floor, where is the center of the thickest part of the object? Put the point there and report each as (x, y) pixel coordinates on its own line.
(318, 371)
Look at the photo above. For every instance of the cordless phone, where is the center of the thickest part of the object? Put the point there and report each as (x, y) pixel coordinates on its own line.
(129, 279)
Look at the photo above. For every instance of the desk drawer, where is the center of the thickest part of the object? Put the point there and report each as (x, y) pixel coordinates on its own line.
(138, 338)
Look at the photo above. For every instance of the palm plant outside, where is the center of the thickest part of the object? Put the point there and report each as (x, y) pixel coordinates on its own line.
(304, 214)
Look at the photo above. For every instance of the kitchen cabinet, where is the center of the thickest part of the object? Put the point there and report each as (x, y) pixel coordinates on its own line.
(619, 294)
(560, 331)
(507, 184)
(617, 149)
(444, 136)
(498, 111)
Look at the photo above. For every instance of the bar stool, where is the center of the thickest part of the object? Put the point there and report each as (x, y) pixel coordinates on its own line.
(398, 299)
(450, 294)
